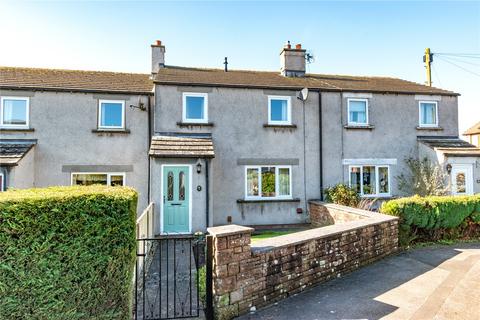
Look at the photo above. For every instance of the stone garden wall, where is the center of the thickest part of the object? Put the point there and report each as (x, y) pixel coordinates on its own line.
(246, 276)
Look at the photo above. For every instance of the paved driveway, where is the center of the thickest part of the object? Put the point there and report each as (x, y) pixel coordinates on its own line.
(441, 282)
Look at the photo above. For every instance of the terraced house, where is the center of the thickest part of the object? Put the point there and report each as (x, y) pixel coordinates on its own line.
(218, 146)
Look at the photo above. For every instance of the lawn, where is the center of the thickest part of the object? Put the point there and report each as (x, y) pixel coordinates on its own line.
(261, 235)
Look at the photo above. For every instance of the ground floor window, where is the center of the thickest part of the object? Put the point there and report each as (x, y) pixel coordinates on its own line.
(2, 182)
(108, 179)
(268, 182)
(370, 180)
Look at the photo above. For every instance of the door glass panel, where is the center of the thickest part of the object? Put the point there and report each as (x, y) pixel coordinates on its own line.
(355, 179)
(268, 181)
(369, 180)
(460, 182)
(181, 186)
(170, 186)
(383, 179)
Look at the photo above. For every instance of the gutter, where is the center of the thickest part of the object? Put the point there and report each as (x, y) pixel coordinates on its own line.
(27, 88)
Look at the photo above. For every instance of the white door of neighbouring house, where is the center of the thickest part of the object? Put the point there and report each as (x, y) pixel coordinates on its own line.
(462, 179)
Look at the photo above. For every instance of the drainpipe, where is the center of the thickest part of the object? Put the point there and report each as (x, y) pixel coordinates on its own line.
(207, 191)
(148, 146)
(320, 137)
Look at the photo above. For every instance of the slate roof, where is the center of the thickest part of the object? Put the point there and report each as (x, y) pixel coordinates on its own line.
(11, 152)
(182, 146)
(475, 129)
(74, 80)
(267, 79)
(451, 146)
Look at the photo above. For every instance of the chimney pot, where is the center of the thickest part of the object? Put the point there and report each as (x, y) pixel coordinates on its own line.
(158, 43)
(298, 46)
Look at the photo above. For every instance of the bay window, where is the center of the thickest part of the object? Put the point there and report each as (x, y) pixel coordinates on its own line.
(370, 180)
(268, 182)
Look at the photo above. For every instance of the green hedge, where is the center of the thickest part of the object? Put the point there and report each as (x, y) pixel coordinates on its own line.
(435, 217)
(67, 253)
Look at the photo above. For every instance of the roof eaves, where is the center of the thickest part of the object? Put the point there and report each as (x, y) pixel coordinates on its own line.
(83, 90)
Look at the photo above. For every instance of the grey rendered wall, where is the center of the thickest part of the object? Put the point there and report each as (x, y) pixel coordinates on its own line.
(394, 136)
(22, 175)
(63, 124)
(239, 136)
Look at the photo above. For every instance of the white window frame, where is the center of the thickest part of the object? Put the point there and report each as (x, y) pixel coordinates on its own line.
(420, 124)
(260, 197)
(2, 186)
(205, 107)
(289, 110)
(377, 180)
(352, 123)
(27, 113)
(109, 176)
(122, 102)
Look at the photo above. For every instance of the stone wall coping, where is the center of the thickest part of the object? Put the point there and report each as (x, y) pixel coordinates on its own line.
(355, 211)
(318, 233)
(228, 230)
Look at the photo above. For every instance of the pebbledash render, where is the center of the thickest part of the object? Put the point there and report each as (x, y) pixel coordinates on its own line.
(217, 146)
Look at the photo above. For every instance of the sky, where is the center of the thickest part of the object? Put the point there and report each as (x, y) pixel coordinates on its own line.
(382, 38)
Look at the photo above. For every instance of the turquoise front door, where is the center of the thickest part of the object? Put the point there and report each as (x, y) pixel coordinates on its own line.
(176, 197)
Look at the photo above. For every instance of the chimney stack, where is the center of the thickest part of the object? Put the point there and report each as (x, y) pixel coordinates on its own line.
(292, 61)
(158, 56)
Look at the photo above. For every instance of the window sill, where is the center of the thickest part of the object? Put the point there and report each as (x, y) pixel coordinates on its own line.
(17, 129)
(267, 200)
(430, 128)
(194, 124)
(358, 127)
(119, 131)
(384, 196)
(280, 126)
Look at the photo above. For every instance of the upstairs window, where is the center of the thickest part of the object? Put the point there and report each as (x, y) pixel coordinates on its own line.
(358, 112)
(106, 179)
(428, 114)
(268, 182)
(14, 112)
(111, 114)
(195, 107)
(370, 181)
(279, 110)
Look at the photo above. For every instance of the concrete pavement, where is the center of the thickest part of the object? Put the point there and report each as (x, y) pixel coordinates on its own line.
(441, 282)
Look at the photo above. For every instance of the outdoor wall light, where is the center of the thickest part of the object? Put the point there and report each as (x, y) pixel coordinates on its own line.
(199, 168)
(449, 168)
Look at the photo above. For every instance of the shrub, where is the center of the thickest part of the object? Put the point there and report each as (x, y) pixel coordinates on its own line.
(423, 178)
(67, 253)
(342, 194)
(435, 217)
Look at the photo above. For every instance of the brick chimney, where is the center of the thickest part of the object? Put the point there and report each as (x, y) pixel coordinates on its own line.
(158, 56)
(292, 61)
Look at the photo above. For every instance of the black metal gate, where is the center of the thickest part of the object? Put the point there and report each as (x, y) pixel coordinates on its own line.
(173, 278)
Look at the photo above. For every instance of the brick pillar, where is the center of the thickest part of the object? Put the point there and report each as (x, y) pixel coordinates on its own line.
(231, 245)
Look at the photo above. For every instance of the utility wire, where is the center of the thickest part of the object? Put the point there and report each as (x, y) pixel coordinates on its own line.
(460, 55)
(436, 76)
(456, 65)
(461, 61)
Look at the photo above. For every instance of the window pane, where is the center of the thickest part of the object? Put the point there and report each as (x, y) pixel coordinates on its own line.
(116, 180)
(195, 108)
(15, 112)
(111, 114)
(358, 111)
(89, 179)
(181, 186)
(355, 179)
(284, 182)
(268, 181)
(369, 180)
(252, 182)
(383, 179)
(427, 113)
(170, 186)
(278, 110)
(1, 183)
